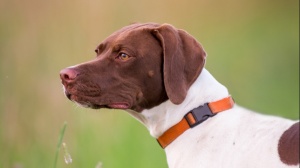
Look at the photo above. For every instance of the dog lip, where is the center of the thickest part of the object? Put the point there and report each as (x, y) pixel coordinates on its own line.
(116, 105)
(119, 105)
(67, 94)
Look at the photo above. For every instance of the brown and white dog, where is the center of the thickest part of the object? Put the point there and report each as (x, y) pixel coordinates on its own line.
(156, 73)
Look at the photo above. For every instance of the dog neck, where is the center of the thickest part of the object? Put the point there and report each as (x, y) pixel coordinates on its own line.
(160, 118)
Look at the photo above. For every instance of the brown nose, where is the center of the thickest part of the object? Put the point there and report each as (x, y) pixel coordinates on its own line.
(68, 74)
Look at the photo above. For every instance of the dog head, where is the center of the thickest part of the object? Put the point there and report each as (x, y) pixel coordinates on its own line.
(137, 67)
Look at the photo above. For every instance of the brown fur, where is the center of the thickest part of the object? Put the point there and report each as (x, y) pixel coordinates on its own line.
(288, 146)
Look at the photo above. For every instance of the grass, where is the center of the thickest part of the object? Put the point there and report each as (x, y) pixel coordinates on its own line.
(59, 144)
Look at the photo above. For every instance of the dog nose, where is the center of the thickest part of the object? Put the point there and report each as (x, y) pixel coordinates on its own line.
(68, 74)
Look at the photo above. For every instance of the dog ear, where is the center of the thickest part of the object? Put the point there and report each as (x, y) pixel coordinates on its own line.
(184, 58)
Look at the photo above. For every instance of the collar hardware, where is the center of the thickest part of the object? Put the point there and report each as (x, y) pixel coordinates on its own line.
(198, 115)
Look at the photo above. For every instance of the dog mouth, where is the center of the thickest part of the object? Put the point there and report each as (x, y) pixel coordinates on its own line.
(88, 104)
(120, 105)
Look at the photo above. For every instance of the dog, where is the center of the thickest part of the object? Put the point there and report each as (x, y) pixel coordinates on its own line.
(156, 73)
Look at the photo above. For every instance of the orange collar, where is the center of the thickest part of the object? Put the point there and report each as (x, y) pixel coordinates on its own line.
(193, 118)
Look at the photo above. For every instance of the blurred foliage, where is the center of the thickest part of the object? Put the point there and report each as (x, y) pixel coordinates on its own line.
(252, 46)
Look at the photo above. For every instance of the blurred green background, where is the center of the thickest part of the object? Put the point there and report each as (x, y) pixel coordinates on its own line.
(252, 46)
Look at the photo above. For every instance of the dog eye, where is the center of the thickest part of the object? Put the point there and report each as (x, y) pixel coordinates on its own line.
(123, 56)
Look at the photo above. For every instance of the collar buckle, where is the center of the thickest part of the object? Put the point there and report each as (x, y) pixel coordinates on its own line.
(198, 115)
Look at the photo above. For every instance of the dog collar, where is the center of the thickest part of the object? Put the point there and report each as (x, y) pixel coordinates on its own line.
(194, 118)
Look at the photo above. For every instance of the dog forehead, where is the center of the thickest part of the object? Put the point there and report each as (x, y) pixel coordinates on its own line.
(136, 38)
(131, 31)
(136, 35)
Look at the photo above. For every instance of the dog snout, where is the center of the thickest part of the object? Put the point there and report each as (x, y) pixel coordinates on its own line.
(68, 75)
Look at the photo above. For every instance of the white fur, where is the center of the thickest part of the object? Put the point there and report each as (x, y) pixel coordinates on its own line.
(235, 138)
